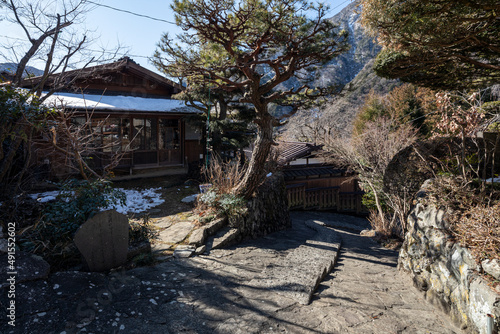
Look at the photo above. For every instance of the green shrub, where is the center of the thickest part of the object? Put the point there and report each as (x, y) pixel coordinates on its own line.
(209, 198)
(226, 203)
(231, 204)
(52, 236)
(78, 201)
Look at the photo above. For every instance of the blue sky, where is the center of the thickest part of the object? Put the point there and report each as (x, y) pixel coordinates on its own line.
(138, 34)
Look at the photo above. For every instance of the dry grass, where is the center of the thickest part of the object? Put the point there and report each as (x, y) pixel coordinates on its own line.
(223, 175)
(387, 227)
(475, 217)
(479, 229)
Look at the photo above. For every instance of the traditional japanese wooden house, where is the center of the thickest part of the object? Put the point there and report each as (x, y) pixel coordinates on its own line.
(132, 110)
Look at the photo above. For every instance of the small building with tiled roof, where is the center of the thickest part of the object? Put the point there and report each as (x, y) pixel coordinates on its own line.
(302, 163)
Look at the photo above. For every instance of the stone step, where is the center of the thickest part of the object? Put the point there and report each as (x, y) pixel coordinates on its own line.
(198, 236)
(346, 226)
(224, 238)
(299, 274)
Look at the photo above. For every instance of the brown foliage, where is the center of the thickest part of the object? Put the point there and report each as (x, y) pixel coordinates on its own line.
(223, 175)
(474, 216)
(385, 227)
(73, 146)
(369, 155)
(404, 104)
(479, 229)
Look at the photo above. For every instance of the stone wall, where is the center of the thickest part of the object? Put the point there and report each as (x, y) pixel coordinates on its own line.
(267, 211)
(445, 272)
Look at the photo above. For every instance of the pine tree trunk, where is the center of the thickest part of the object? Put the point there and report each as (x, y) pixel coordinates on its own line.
(223, 109)
(256, 172)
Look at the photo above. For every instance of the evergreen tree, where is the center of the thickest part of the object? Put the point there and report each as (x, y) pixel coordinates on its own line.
(248, 48)
(435, 43)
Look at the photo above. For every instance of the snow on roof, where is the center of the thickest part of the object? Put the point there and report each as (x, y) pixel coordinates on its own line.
(117, 103)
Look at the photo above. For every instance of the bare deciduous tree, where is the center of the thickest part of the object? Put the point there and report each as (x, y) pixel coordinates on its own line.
(51, 38)
(77, 144)
(369, 155)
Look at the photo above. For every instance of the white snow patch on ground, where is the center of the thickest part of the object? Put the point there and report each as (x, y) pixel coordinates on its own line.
(46, 196)
(190, 198)
(137, 200)
(140, 200)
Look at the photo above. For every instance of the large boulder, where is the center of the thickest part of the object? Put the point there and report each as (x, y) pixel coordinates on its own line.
(103, 240)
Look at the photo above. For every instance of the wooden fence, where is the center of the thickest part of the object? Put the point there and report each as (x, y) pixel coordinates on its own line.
(329, 198)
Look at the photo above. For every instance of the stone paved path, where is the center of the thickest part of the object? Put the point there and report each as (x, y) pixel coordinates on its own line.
(365, 293)
(230, 291)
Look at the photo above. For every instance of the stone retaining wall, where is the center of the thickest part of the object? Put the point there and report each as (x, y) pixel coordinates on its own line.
(267, 211)
(445, 272)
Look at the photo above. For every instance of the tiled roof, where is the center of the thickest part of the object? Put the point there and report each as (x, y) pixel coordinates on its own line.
(311, 171)
(289, 151)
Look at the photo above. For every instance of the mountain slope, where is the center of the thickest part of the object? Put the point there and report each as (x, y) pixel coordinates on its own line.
(10, 68)
(354, 71)
(344, 68)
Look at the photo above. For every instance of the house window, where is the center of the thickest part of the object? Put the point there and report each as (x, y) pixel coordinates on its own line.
(145, 140)
(144, 134)
(111, 141)
(126, 138)
(169, 134)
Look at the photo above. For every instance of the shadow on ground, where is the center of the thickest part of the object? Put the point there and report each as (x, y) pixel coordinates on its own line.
(222, 293)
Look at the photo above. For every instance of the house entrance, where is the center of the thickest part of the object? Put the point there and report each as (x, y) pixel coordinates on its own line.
(144, 141)
(156, 141)
(169, 142)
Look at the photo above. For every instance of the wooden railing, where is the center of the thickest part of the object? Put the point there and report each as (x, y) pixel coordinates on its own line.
(299, 197)
(296, 195)
(322, 198)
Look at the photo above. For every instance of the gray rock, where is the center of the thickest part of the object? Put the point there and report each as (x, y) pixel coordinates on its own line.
(189, 199)
(200, 250)
(103, 240)
(197, 237)
(481, 303)
(160, 247)
(27, 267)
(227, 239)
(164, 257)
(492, 267)
(176, 233)
(142, 248)
(164, 222)
(183, 251)
(368, 233)
(215, 225)
(444, 271)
